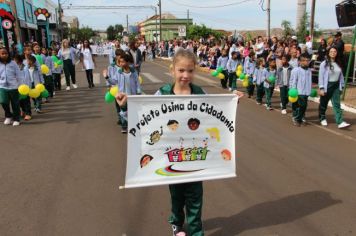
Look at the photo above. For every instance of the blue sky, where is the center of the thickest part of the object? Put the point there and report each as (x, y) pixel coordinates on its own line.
(246, 15)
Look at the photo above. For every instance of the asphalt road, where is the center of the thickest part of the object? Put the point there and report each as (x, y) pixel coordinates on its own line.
(60, 172)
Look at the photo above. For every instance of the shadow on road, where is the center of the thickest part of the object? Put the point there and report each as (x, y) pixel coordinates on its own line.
(270, 213)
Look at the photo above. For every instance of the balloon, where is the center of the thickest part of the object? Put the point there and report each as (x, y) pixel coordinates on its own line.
(219, 69)
(238, 73)
(214, 73)
(59, 62)
(39, 59)
(22, 97)
(40, 87)
(246, 77)
(44, 69)
(313, 93)
(240, 68)
(23, 89)
(245, 83)
(109, 98)
(292, 99)
(272, 79)
(34, 93)
(114, 90)
(55, 65)
(54, 58)
(242, 76)
(140, 79)
(45, 94)
(293, 93)
(221, 76)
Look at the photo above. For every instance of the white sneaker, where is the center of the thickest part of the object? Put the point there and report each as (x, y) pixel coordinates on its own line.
(324, 123)
(7, 121)
(16, 123)
(75, 86)
(284, 111)
(343, 125)
(68, 88)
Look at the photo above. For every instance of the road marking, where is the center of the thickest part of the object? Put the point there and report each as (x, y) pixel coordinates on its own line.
(205, 79)
(96, 78)
(152, 78)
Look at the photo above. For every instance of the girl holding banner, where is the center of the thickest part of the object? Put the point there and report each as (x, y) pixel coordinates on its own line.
(188, 195)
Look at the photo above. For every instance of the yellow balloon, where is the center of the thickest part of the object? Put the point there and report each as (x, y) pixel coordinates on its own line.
(44, 69)
(40, 87)
(55, 65)
(246, 77)
(239, 68)
(221, 76)
(34, 93)
(23, 89)
(292, 100)
(114, 90)
(140, 79)
(238, 73)
(245, 83)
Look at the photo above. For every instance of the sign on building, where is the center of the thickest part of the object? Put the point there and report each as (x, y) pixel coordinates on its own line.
(182, 31)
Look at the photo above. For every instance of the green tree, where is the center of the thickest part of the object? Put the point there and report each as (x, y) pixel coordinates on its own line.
(303, 29)
(201, 31)
(118, 29)
(287, 28)
(110, 32)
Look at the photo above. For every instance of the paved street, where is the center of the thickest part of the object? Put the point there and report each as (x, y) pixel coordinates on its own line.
(60, 172)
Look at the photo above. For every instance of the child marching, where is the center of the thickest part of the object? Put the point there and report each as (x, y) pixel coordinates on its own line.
(222, 62)
(283, 79)
(249, 69)
(269, 77)
(258, 80)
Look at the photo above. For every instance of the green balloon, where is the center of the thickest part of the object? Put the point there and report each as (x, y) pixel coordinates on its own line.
(293, 93)
(21, 97)
(39, 59)
(219, 69)
(313, 93)
(109, 98)
(215, 73)
(45, 94)
(242, 76)
(272, 79)
(59, 62)
(55, 59)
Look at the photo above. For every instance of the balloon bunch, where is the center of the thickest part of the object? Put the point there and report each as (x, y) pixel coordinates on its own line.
(239, 71)
(56, 62)
(293, 95)
(39, 90)
(110, 95)
(218, 73)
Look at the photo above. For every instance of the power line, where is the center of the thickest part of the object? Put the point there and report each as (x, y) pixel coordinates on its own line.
(217, 6)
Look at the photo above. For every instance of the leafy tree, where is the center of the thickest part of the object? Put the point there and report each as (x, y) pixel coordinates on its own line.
(303, 31)
(287, 28)
(118, 29)
(201, 31)
(110, 32)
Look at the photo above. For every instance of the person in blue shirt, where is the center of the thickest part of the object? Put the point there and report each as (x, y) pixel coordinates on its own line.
(10, 79)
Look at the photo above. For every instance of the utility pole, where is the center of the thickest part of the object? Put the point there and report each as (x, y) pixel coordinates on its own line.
(156, 24)
(187, 18)
(60, 20)
(160, 19)
(312, 16)
(127, 24)
(268, 19)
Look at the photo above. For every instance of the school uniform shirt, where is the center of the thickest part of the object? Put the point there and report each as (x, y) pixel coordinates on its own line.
(10, 75)
(258, 76)
(266, 74)
(232, 65)
(249, 66)
(222, 62)
(294, 63)
(301, 79)
(128, 83)
(283, 76)
(324, 74)
(32, 75)
(87, 59)
(49, 63)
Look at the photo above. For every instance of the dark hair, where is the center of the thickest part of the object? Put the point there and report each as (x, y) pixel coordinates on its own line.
(128, 58)
(193, 120)
(171, 122)
(287, 56)
(88, 45)
(304, 55)
(328, 59)
(8, 55)
(32, 58)
(19, 58)
(119, 52)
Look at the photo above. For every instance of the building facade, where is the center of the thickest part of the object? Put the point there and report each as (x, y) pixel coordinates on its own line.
(170, 25)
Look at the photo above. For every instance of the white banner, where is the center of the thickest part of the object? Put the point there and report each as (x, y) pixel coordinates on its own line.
(101, 49)
(178, 139)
